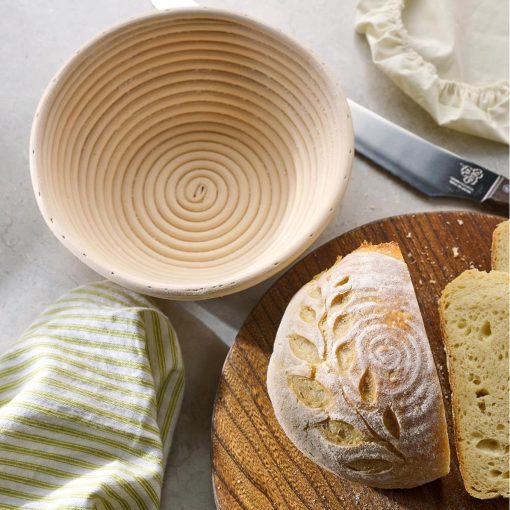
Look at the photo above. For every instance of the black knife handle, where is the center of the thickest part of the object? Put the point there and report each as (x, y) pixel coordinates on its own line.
(498, 196)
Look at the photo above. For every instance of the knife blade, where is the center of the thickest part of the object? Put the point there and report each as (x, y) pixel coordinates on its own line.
(430, 169)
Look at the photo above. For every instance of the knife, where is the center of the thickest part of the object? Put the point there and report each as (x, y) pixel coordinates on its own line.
(430, 169)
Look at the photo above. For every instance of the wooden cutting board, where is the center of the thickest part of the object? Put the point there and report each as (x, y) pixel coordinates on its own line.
(255, 466)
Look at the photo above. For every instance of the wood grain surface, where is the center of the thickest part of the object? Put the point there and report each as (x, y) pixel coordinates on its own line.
(255, 466)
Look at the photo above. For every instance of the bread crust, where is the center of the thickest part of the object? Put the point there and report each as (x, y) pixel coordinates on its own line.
(453, 393)
(352, 379)
(499, 247)
(391, 249)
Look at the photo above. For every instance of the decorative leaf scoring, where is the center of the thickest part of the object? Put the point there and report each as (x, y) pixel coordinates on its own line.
(322, 327)
(303, 349)
(370, 466)
(307, 314)
(313, 394)
(342, 433)
(341, 325)
(391, 422)
(339, 298)
(343, 281)
(367, 387)
(309, 392)
(345, 355)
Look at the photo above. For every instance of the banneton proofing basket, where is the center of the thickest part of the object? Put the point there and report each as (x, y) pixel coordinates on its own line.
(190, 153)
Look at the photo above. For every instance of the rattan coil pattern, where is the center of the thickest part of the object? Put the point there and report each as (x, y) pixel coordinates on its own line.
(190, 153)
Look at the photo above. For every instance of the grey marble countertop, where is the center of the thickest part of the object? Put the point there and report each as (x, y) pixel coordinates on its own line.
(37, 36)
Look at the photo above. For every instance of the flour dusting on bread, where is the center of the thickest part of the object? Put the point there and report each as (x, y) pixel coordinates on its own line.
(352, 379)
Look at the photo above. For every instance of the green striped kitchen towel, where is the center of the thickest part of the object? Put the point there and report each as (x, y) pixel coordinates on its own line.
(89, 398)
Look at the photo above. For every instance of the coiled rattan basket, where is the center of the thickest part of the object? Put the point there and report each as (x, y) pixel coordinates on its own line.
(190, 153)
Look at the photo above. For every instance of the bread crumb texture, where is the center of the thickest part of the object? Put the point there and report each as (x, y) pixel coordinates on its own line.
(352, 379)
(474, 318)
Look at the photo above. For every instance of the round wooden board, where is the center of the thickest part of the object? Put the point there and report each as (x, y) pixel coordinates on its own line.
(255, 466)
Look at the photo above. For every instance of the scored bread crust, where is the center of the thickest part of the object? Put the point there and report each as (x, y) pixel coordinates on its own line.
(457, 295)
(352, 379)
(500, 248)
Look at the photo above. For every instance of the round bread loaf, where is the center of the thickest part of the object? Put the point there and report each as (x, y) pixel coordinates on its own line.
(352, 379)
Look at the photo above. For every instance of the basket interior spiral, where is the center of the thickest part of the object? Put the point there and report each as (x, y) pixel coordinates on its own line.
(190, 153)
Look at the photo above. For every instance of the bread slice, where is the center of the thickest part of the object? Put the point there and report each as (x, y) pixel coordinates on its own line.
(500, 247)
(473, 310)
(352, 379)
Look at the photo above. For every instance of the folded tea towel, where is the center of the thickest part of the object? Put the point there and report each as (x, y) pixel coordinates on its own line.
(450, 56)
(89, 398)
